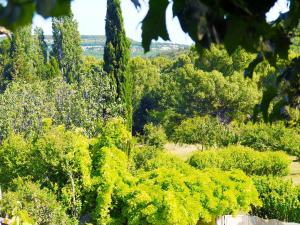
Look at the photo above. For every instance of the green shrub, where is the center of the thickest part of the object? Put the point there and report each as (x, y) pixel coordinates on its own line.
(166, 196)
(245, 159)
(155, 135)
(280, 198)
(57, 158)
(39, 204)
(169, 192)
(141, 155)
(275, 137)
(113, 182)
(207, 131)
(114, 133)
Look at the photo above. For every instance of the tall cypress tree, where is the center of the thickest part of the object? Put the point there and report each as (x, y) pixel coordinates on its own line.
(66, 47)
(116, 57)
(23, 55)
(42, 43)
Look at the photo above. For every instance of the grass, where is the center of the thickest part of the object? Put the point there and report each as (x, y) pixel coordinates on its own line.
(183, 151)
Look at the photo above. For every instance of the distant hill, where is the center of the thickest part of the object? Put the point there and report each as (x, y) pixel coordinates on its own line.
(93, 45)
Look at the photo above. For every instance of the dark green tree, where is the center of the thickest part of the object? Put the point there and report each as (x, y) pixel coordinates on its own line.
(23, 55)
(42, 42)
(116, 57)
(66, 47)
(5, 77)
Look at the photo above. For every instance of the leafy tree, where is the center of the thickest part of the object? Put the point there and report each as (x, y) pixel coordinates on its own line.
(113, 133)
(56, 158)
(190, 91)
(146, 77)
(23, 106)
(66, 47)
(16, 157)
(155, 135)
(116, 57)
(207, 131)
(53, 68)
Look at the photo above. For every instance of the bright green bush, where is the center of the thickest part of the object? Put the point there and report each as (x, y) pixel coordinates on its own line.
(141, 155)
(274, 137)
(16, 158)
(113, 182)
(171, 194)
(56, 158)
(207, 131)
(167, 196)
(39, 204)
(155, 135)
(114, 133)
(245, 159)
(280, 199)
(62, 162)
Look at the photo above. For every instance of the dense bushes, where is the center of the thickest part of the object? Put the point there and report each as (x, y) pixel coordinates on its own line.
(57, 159)
(33, 205)
(24, 105)
(245, 159)
(280, 198)
(167, 194)
(264, 137)
(207, 131)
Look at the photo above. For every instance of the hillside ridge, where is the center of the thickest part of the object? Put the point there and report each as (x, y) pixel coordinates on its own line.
(93, 45)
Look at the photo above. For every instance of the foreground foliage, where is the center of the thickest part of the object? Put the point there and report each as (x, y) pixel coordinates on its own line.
(280, 198)
(166, 195)
(33, 204)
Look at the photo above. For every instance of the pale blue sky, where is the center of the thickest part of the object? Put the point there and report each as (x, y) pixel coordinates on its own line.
(90, 15)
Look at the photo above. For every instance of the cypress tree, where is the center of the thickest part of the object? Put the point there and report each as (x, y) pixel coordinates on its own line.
(42, 43)
(23, 55)
(66, 47)
(116, 57)
(5, 76)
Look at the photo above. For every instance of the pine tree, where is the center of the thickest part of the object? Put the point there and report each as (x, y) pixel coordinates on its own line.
(66, 47)
(116, 57)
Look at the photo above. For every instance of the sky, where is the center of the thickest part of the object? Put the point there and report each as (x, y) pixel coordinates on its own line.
(90, 15)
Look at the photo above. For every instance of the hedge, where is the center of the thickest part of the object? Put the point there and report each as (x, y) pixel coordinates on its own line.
(243, 158)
